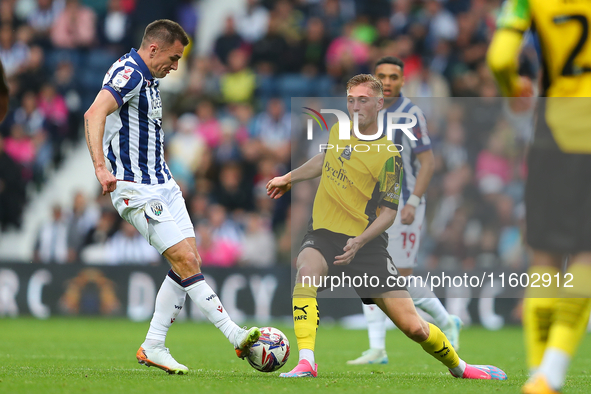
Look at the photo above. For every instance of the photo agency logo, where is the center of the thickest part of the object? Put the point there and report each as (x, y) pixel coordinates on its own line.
(344, 122)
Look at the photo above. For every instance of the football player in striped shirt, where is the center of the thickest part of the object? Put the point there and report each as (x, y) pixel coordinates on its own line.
(124, 125)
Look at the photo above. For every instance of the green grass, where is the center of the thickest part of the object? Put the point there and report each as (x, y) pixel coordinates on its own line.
(98, 356)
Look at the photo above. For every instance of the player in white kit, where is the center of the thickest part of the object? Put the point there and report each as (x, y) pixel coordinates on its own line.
(405, 233)
(124, 126)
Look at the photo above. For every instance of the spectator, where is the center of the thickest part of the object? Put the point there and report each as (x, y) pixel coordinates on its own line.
(332, 17)
(83, 219)
(127, 246)
(13, 54)
(308, 56)
(67, 87)
(400, 19)
(55, 111)
(20, 148)
(453, 148)
(252, 24)
(346, 52)
(187, 16)
(94, 247)
(113, 28)
(239, 83)
(227, 42)
(269, 53)
(8, 15)
(185, 149)
(292, 20)
(12, 191)
(215, 252)
(233, 192)
(442, 24)
(75, 27)
(208, 127)
(258, 246)
(203, 81)
(219, 240)
(42, 18)
(52, 241)
(426, 84)
(272, 129)
(493, 169)
(198, 208)
(228, 150)
(34, 75)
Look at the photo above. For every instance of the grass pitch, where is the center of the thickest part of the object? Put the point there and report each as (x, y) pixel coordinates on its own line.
(79, 355)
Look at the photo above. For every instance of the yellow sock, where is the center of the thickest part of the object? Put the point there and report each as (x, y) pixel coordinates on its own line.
(439, 347)
(538, 310)
(306, 317)
(572, 314)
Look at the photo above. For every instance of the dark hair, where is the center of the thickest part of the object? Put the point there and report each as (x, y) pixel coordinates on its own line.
(374, 83)
(390, 60)
(165, 31)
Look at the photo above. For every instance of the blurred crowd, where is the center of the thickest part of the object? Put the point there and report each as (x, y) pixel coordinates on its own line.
(228, 119)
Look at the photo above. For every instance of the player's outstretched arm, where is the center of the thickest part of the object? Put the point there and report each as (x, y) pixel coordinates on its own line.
(382, 222)
(280, 185)
(502, 58)
(94, 130)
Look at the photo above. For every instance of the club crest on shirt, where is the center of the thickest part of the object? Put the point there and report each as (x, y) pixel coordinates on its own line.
(345, 155)
(122, 78)
(156, 208)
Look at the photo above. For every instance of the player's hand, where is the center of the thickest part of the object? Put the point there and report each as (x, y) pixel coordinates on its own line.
(351, 248)
(407, 215)
(106, 179)
(522, 100)
(278, 186)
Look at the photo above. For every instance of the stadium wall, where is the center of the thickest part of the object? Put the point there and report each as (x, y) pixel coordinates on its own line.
(261, 295)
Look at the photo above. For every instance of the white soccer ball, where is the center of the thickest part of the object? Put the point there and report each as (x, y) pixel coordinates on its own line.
(270, 352)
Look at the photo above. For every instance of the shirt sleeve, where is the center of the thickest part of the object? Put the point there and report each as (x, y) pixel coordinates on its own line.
(515, 15)
(505, 46)
(123, 83)
(422, 142)
(389, 180)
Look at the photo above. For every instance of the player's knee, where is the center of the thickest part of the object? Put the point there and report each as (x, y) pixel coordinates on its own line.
(186, 263)
(415, 331)
(308, 271)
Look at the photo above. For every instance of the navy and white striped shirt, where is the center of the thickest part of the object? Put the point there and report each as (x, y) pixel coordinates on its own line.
(410, 162)
(133, 140)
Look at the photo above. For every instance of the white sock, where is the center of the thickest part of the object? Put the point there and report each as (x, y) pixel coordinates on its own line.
(169, 302)
(211, 306)
(459, 370)
(554, 366)
(307, 354)
(376, 326)
(425, 299)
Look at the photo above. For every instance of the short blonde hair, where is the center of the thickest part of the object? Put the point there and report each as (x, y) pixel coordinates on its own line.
(374, 83)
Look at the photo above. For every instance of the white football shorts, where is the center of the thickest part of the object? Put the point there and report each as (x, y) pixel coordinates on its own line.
(158, 212)
(404, 239)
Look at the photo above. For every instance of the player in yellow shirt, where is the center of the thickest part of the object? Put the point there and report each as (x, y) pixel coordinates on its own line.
(346, 234)
(558, 188)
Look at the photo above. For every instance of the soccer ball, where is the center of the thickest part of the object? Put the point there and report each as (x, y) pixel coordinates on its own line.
(270, 352)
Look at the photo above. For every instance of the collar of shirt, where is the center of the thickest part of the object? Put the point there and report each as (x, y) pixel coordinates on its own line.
(394, 106)
(143, 67)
